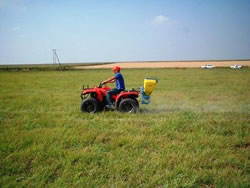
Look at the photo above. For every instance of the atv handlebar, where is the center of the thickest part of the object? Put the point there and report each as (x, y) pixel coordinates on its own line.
(100, 85)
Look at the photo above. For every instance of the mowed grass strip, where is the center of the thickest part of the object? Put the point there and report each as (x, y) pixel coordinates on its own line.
(195, 132)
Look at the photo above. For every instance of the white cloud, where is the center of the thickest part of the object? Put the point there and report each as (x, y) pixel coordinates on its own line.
(160, 19)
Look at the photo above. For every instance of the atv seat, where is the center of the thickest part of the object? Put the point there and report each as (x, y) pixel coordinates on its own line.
(124, 91)
(128, 90)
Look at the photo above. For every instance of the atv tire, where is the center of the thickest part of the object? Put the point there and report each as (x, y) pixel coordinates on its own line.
(129, 105)
(89, 105)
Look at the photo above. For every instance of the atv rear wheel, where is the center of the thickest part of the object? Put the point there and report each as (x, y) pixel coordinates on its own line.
(129, 105)
(89, 105)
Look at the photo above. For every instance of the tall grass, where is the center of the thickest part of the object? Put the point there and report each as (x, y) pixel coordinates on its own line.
(194, 133)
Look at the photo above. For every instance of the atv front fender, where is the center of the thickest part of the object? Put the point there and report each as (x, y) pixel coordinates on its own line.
(91, 91)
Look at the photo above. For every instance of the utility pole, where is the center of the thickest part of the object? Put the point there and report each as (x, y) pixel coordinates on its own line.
(55, 58)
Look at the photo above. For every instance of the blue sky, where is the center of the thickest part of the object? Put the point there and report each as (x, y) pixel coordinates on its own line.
(123, 30)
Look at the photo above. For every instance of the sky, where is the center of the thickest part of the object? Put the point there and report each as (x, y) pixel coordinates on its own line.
(123, 30)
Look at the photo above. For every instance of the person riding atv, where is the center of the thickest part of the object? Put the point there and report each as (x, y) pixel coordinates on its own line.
(119, 83)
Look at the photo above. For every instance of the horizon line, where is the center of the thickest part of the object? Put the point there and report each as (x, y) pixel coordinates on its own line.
(111, 62)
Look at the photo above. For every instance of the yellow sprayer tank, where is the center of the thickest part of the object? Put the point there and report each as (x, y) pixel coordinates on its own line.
(149, 85)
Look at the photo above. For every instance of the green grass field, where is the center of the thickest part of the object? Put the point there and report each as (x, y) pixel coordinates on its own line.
(195, 132)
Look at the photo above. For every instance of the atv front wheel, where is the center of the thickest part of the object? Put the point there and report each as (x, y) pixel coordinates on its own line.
(129, 105)
(89, 105)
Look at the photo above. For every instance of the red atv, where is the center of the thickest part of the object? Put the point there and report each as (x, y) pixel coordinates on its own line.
(94, 100)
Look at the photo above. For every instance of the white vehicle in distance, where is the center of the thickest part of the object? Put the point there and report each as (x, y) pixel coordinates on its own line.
(236, 67)
(207, 66)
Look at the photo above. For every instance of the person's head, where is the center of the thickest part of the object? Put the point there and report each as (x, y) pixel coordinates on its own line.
(116, 69)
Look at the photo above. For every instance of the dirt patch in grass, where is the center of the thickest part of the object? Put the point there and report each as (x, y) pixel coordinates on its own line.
(246, 146)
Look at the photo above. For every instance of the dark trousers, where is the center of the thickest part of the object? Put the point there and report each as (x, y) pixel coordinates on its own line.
(110, 93)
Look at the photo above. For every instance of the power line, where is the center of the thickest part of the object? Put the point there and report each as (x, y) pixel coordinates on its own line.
(55, 58)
